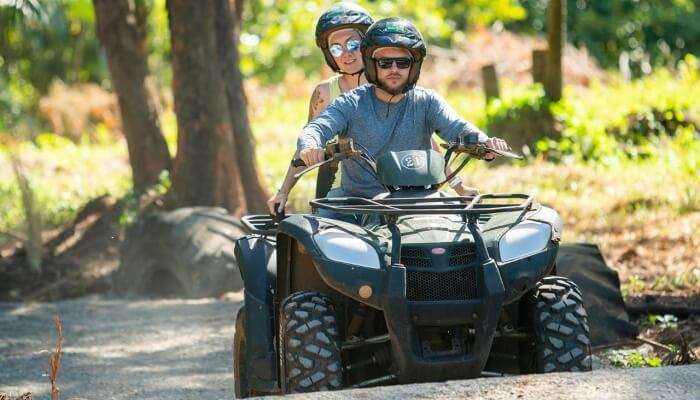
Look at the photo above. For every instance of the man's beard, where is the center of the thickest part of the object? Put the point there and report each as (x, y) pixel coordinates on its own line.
(393, 91)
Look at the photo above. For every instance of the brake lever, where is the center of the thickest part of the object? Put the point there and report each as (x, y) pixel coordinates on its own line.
(478, 150)
(504, 153)
(309, 168)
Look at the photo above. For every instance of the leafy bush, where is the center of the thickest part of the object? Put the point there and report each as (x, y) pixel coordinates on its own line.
(523, 118)
(653, 122)
(632, 359)
(630, 123)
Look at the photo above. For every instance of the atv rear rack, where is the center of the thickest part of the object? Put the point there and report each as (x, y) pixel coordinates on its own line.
(262, 224)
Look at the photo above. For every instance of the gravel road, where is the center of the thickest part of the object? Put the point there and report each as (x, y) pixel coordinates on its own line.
(181, 349)
(121, 349)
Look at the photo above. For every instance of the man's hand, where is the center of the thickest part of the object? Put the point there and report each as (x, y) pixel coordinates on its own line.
(464, 190)
(312, 156)
(281, 198)
(496, 144)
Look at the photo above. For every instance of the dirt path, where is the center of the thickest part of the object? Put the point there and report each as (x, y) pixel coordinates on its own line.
(181, 349)
(119, 349)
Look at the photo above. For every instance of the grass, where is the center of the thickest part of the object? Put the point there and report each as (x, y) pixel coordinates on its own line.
(62, 176)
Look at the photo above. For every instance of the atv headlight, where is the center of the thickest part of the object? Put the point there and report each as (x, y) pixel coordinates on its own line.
(340, 246)
(524, 239)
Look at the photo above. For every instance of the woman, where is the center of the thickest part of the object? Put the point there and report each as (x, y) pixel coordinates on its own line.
(338, 35)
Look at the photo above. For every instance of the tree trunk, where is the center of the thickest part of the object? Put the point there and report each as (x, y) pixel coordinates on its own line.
(205, 171)
(490, 78)
(118, 28)
(228, 23)
(556, 36)
(539, 66)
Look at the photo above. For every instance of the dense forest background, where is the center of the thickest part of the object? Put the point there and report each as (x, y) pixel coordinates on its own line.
(41, 42)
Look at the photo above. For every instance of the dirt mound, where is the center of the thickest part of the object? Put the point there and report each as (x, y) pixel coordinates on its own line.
(77, 260)
(460, 67)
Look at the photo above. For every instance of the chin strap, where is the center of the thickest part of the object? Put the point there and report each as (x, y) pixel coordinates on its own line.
(358, 73)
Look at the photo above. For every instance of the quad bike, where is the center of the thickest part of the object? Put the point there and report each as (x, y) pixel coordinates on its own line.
(424, 287)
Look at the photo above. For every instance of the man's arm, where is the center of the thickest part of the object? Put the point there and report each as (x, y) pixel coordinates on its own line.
(330, 122)
(315, 134)
(444, 120)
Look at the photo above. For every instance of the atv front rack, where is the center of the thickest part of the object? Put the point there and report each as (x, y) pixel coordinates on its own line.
(470, 208)
(460, 205)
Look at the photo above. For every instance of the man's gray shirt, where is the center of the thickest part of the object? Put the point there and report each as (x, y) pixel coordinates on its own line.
(380, 127)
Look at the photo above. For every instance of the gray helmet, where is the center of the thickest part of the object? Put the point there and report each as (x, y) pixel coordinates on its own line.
(393, 32)
(340, 16)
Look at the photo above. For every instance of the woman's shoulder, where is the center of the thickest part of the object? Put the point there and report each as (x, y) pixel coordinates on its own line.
(322, 90)
(320, 98)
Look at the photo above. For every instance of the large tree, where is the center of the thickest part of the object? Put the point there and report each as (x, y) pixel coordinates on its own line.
(228, 22)
(208, 106)
(121, 27)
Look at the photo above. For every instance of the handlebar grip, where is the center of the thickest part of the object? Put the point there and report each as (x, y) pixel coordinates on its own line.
(298, 162)
(278, 216)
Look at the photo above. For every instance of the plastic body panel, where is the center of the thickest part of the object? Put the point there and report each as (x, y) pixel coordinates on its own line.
(500, 284)
(257, 262)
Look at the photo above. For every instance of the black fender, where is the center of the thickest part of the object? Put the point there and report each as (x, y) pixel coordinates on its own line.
(257, 262)
(520, 276)
(338, 276)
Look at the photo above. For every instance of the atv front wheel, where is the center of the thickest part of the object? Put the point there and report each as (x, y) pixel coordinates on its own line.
(561, 327)
(309, 345)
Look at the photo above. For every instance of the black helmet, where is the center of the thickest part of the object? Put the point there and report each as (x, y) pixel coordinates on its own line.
(393, 32)
(340, 16)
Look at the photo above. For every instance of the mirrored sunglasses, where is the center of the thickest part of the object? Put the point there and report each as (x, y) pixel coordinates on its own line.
(401, 62)
(336, 49)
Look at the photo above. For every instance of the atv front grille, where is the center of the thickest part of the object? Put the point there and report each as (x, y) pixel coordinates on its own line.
(456, 284)
(416, 257)
(462, 254)
(455, 255)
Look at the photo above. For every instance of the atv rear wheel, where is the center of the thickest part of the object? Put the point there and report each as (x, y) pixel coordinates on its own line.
(561, 327)
(240, 376)
(309, 345)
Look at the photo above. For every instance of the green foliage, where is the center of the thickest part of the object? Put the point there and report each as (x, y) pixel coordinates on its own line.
(63, 176)
(666, 321)
(645, 32)
(278, 35)
(632, 359)
(631, 123)
(524, 101)
(40, 43)
(634, 285)
(133, 202)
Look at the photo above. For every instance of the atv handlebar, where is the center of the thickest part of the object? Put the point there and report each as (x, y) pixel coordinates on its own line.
(477, 150)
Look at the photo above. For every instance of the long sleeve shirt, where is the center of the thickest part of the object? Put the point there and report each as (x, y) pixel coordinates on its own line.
(380, 127)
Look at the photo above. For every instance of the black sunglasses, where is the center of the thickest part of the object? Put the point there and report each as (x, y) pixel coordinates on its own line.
(401, 62)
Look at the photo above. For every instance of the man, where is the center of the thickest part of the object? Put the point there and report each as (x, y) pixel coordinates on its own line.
(391, 114)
